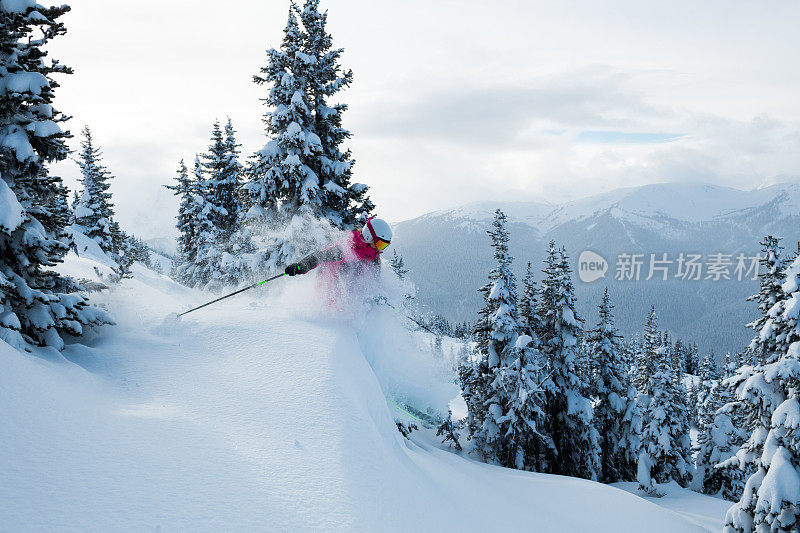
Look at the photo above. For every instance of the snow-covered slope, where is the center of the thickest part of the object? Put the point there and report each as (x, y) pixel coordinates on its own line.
(655, 219)
(261, 413)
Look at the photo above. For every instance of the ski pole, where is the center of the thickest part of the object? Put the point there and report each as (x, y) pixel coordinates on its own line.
(233, 293)
(414, 320)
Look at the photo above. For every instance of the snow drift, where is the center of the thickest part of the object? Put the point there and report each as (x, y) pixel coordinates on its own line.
(261, 413)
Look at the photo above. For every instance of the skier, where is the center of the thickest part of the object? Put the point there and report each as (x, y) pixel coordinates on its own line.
(352, 257)
(345, 261)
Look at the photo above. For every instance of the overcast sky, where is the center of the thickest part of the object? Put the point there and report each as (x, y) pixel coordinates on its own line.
(453, 101)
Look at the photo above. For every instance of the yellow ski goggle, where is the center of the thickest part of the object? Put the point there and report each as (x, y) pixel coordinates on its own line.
(379, 243)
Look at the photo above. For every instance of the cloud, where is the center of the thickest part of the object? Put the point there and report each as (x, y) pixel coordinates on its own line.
(519, 114)
(621, 137)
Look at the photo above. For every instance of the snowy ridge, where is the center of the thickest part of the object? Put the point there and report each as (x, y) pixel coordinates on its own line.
(257, 414)
(668, 218)
(682, 202)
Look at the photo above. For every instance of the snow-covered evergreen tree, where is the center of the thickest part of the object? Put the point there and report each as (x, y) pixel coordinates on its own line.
(522, 443)
(631, 432)
(529, 320)
(140, 252)
(94, 212)
(647, 355)
(770, 277)
(610, 403)
(665, 454)
(568, 412)
(709, 375)
(398, 265)
(716, 444)
(37, 305)
(188, 217)
(768, 398)
(283, 182)
(220, 166)
(205, 271)
(124, 258)
(447, 430)
(234, 171)
(223, 245)
(344, 203)
(496, 333)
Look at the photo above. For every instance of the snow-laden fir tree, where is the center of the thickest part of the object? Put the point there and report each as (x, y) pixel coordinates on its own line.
(205, 270)
(529, 321)
(709, 375)
(496, 333)
(285, 191)
(610, 402)
(37, 305)
(398, 265)
(678, 361)
(691, 362)
(140, 252)
(522, 443)
(124, 258)
(665, 453)
(239, 245)
(693, 403)
(447, 430)
(283, 181)
(717, 442)
(646, 355)
(221, 169)
(188, 216)
(344, 204)
(631, 432)
(223, 250)
(768, 397)
(770, 279)
(94, 212)
(568, 412)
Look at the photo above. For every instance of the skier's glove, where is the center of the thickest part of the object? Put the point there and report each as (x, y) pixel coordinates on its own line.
(304, 266)
(295, 269)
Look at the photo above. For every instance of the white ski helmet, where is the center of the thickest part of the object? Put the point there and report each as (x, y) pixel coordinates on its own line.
(377, 232)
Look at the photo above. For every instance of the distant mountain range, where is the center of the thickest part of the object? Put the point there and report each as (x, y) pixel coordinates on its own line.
(449, 255)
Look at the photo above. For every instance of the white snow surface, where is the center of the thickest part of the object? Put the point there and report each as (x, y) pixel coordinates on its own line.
(10, 208)
(16, 6)
(260, 413)
(707, 512)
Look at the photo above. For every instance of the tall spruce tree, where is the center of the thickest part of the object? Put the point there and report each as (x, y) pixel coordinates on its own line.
(770, 278)
(716, 445)
(94, 212)
(646, 356)
(37, 305)
(709, 375)
(768, 397)
(226, 261)
(344, 203)
(522, 443)
(568, 412)
(611, 399)
(283, 181)
(496, 333)
(529, 320)
(665, 452)
(205, 271)
(188, 215)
